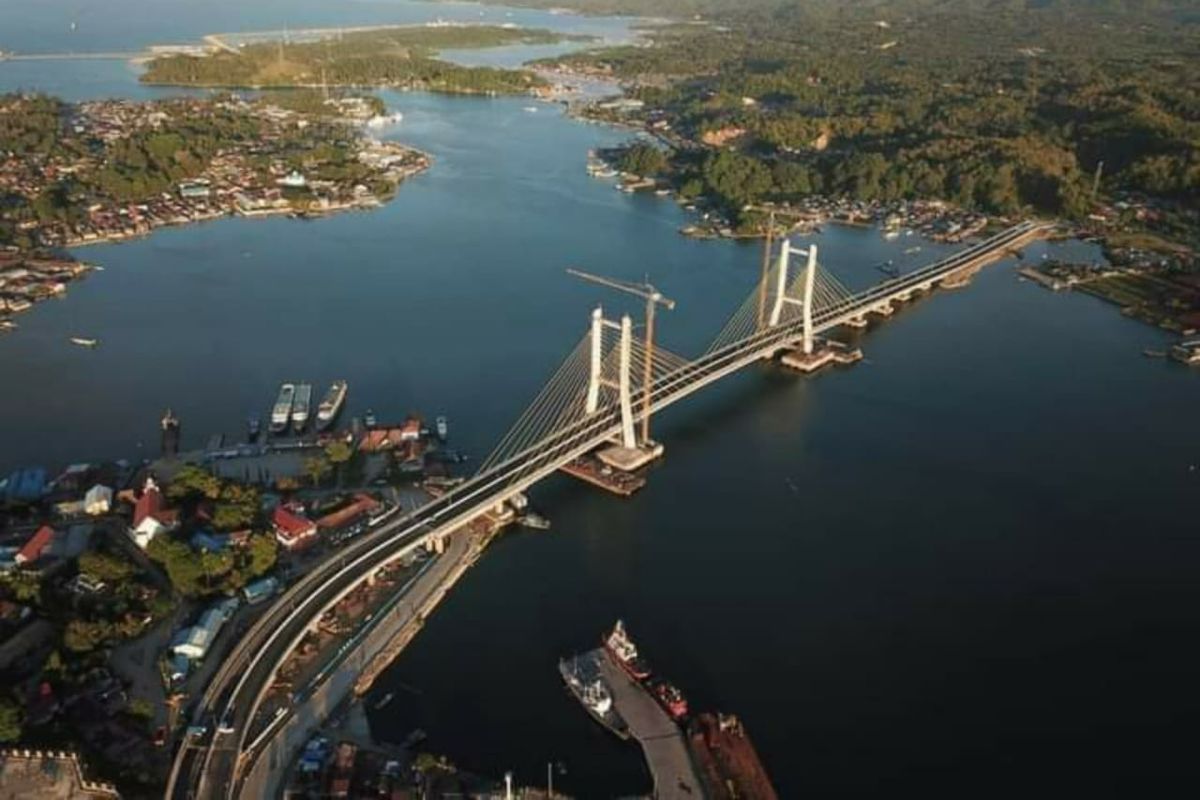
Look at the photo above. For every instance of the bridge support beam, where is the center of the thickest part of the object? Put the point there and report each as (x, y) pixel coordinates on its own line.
(593, 395)
(810, 276)
(624, 384)
(785, 254)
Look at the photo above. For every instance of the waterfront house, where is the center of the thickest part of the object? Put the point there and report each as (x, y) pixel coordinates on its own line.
(292, 529)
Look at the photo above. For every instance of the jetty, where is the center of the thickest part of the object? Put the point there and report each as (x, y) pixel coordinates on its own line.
(662, 741)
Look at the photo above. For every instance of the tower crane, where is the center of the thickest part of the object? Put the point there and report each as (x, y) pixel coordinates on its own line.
(653, 298)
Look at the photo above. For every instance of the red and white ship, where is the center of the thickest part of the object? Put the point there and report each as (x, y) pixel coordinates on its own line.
(625, 652)
(670, 698)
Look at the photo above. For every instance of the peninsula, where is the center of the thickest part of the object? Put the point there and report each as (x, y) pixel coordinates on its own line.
(75, 174)
(400, 57)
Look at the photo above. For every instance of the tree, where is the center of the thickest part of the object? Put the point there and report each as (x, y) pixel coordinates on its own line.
(643, 159)
(106, 567)
(10, 721)
(263, 551)
(316, 467)
(192, 481)
(83, 636)
(26, 586)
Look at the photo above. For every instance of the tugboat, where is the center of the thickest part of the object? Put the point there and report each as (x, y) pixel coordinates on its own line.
(625, 652)
(670, 698)
(331, 404)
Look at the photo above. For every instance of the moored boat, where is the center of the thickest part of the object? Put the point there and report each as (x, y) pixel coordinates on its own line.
(301, 406)
(626, 653)
(670, 698)
(584, 681)
(253, 427)
(331, 404)
(281, 413)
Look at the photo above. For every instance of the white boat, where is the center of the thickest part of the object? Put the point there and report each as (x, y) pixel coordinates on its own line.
(301, 406)
(331, 404)
(530, 109)
(891, 234)
(84, 342)
(443, 428)
(281, 413)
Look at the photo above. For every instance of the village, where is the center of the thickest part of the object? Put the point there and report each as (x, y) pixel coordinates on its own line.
(122, 583)
(111, 170)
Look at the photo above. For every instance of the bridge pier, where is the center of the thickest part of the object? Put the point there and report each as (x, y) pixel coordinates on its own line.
(827, 352)
(856, 322)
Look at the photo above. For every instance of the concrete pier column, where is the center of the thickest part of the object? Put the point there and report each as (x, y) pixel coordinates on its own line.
(624, 383)
(810, 276)
(593, 395)
(785, 253)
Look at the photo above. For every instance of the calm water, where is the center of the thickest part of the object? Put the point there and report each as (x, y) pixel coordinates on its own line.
(965, 567)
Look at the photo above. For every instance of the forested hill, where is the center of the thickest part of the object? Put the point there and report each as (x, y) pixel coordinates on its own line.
(998, 105)
(1179, 9)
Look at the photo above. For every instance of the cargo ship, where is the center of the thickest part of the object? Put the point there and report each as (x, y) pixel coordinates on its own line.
(301, 406)
(282, 411)
(626, 653)
(331, 404)
(582, 677)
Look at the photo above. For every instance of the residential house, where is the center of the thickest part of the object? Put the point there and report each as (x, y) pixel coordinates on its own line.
(292, 529)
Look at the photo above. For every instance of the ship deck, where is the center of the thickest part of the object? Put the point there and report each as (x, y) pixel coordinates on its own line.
(661, 739)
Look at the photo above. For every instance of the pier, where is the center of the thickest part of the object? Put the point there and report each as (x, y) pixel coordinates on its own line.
(661, 739)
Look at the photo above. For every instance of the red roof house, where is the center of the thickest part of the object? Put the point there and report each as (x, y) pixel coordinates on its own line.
(292, 530)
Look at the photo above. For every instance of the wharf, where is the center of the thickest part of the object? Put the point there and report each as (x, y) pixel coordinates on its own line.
(590, 469)
(661, 739)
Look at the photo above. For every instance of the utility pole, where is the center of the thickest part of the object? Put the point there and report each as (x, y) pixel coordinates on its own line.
(653, 299)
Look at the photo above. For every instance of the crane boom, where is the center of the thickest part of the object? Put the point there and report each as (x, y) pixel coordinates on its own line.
(642, 290)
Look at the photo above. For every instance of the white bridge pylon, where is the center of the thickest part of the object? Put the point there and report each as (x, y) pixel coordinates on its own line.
(623, 383)
(604, 373)
(805, 300)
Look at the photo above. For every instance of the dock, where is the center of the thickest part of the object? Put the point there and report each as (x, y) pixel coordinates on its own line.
(662, 741)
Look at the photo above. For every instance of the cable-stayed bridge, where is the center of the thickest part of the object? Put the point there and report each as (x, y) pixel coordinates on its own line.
(607, 382)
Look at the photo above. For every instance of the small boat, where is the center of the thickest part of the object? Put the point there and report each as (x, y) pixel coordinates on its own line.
(891, 234)
(253, 428)
(369, 419)
(1151, 353)
(533, 521)
(443, 428)
(331, 404)
(530, 109)
(79, 340)
(387, 698)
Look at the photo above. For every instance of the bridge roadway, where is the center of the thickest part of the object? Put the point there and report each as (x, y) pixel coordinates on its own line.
(215, 766)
